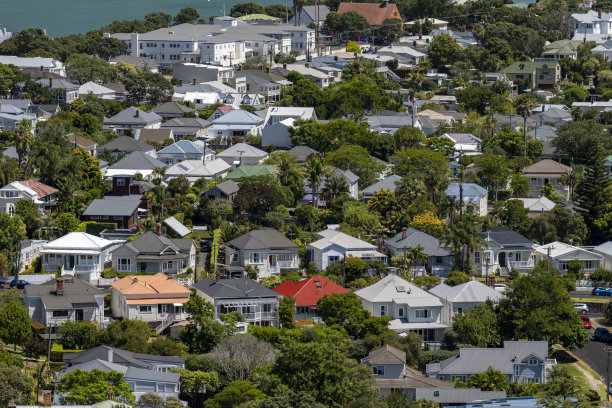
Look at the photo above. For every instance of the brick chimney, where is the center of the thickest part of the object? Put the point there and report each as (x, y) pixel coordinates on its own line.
(50, 82)
(59, 286)
(261, 67)
(284, 66)
(218, 277)
(47, 398)
(194, 81)
(599, 13)
(137, 113)
(159, 227)
(267, 70)
(181, 82)
(307, 65)
(403, 232)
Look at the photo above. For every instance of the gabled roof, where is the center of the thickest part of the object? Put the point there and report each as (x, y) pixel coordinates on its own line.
(472, 291)
(138, 161)
(133, 116)
(322, 11)
(558, 249)
(238, 117)
(177, 226)
(264, 238)
(197, 168)
(539, 204)
(242, 288)
(80, 140)
(375, 13)
(183, 147)
(472, 192)
(308, 291)
(462, 138)
(242, 150)
(155, 135)
(120, 206)
(58, 83)
(172, 108)
(225, 109)
(187, 122)
(301, 153)
(151, 286)
(504, 236)
(431, 245)
(77, 240)
(228, 187)
(348, 175)
(151, 243)
(76, 292)
(546, 167)
(331, 237)
(521, 67)
(126, 144)
(248, 170)
(385, 355)
(94, 88)
(389, 183)
(39, 188)
(392, 288)
(605, 248)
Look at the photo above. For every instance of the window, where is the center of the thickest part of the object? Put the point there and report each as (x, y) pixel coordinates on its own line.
(422, 313)
(118, 218)
(267, 307)
(400, 312)
(518, 256)
(168, 265)
(60, 313)
(589, 264)
(438, 259)
(459, 310)
(516, 370)
(256, 257)
(532, 362)
(120, 182)
(378, 370)
(383, 310)
(86, 260)
(563, 265)
(144, 309)
(124, 264)
(333, 259)
(477, 257)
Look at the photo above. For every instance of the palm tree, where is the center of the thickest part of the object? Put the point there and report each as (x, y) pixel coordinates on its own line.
(298, 6)
(571, 179)
(335, 186)
(289, 171)
(416, 255)
(159, 191)
(524, 107)
(23, 140)
(9, 170)
(315, 170)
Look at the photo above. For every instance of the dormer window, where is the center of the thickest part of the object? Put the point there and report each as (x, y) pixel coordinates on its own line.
(532, 362)
(378, 370)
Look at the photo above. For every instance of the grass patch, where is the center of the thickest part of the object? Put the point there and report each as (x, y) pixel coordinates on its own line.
(591, 300)
(588, 369)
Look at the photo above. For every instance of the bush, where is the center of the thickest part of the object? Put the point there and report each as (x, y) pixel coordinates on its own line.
(108, 273)
(94, 228)
(57, 352)
(601, 275)
(435, 356)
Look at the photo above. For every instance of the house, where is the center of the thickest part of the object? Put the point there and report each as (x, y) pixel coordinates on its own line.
(464, 143)
(220, 111)
(85, 144)
(278, 134)
(192, 127)
(48, 65)
(29, 250)
(301, 152)
(235, 123)
(534, 75)
(389, 183)
(142, 63)
(197, 169)
(561, 254)
(227, 190)
(242, 154)
(125, 145)
(125, 211)
(333, 247)
(537, 206)
(472, 194)
(277, 122)
(128, 121)
(135, 163)
(436, 24)
(153, 253)
(257, 303)
(311, 14)
(375, 13)
(605, 49)
(171, 110)
(503, 249)
(150, 298)
(307, 293)
(461, 298)
(266, 84)
(605, 250)
(79, 254)
(544, 172)
(143, 372)
(250, 170)
(410, 308)
(176, 228)
(11, 116)
(44, 196)
(266, 249)
(553, 115)
(520, 361)
(352, 180)
(559, 49)
(93, 89)
(185, 150)
(440, 259)
(64, 299)
(197, 73)
(61, 90)
(155, 137)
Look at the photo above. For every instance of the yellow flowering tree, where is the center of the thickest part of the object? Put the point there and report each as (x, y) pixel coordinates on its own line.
(428, 222)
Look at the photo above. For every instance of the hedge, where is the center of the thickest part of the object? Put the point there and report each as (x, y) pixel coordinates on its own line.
(95, 228)
(57, 352)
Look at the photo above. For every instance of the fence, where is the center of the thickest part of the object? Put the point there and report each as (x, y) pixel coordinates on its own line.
(33, 279)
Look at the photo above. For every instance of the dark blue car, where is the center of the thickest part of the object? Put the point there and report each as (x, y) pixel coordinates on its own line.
(20, 284)
(602, 291)
(602, 334)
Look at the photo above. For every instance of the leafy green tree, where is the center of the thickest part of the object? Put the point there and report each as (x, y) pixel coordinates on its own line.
(581, 140)
(151, 400)
(15, 324)
(350, 22)
(513, 214)
(478, 326)
(279, 11)
(286, 312)
(30, 214)
(456, 278)
(409, 137)
(235, 394)
(9, 296)
(15, 386)
(474, 98)
(203, 333)
(560, 224)
(356, 159)
(83, 68)
(492, 171)
(257, 197)
(345, 310)
(165, 346)
(23, 139)
(79, 335)
(128, 334)
(245, 9)
(80, 387)
(195, 383)
(357, 96)
(443, 50)
(426, 165)
(66, 223)
(563, 390)
(440, 144)
(513, 143)
(309, 217)
(289, 399)
(187, 15)
(357, 219)
(538, 307)
(575, 94)
(490, 380)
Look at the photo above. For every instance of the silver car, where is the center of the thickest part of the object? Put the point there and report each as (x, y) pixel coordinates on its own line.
(581, 308)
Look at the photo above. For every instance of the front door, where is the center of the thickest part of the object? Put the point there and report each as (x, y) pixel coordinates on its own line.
(78, 314)
(502, 259)
(70, 261)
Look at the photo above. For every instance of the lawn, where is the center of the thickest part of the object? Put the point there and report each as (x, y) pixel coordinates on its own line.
(591, 300)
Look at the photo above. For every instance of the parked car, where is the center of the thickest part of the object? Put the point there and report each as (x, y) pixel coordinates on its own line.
(599, 291)
(205, 246)
(20, 284)
(581, 308)
(500, 287)
(602, 334)
(586, 321)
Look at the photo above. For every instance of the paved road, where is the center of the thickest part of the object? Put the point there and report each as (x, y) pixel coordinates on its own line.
(594, 355)
(585, 295)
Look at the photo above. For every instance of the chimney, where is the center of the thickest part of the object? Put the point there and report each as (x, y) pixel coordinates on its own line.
(50, 81)
(384, 3)
(307, 65)
(599, 13)
(159, 229)
(420, 36)
(47, 398)
(194, 81)
(427, 40)
(137, 113)
(267, 70)
(403, 232)
(110, 355)
(218, 277)
(181, 82)
(110, 395)
(335, 58)
(584, 40)
(59, 286)
(284, 66)
(544, 107)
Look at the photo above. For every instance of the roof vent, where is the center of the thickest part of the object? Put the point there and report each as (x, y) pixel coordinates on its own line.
(400, 289)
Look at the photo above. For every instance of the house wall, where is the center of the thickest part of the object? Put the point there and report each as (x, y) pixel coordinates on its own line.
(163, 389)
(276, 135)
(156, 315)
(7, 203)
(536, 184)
(265, 268)
(123, 222)
(37, 311)
(255, 314)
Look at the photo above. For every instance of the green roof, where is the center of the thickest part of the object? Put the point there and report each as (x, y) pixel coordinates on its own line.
(257, 17)
(248, 170)
(521, 67)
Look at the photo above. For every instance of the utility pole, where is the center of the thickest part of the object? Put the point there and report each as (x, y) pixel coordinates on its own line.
(550, 248)
(608, 350)
(487, 264)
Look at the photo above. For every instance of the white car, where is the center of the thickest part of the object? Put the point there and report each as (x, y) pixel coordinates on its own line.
(581, 308)
(500, 287)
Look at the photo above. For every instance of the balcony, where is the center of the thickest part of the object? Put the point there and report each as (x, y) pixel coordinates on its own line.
(521, 264)
(260, 315)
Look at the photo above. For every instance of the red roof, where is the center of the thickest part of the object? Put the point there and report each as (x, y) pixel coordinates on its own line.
(375, 13)
(41, 189)
(309, 291)
(225, 109)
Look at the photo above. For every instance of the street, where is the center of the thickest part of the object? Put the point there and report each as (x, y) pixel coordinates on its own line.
(594, 355)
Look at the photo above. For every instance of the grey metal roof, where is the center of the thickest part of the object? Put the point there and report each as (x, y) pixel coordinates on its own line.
(113, 206)
(126, 144)
(264, 238)
(177, 226)
(198, 123)
(75, 291)
(431, 245)
(242, 288)
(133, 116)
(228, 187)
(504, 236)
(137, 161)
(301, 153)
(348, 175)
(389, 183)
(151, 243)
(119, 356)
(472, 292)
(172, 108)
(58, 83)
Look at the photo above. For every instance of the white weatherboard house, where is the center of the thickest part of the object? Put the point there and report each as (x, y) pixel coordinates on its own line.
(79, 254)
(410, 308)
(333, 246)
(461, 298)
(562, 254)
(242, 153)
(503, 249)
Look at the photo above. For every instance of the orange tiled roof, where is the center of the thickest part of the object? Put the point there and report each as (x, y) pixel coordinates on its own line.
(150, 301)
(375, 13)
(41, 189)
(154, 285)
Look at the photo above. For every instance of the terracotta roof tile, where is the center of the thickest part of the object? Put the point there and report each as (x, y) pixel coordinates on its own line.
(158, 285)
(309, 291)
(41, 189)
(375, 13)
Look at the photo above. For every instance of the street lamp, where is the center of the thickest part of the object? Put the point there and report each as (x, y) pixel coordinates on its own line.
(608, 350)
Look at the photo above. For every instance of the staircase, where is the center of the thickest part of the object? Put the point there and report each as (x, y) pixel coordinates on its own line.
(166, 323)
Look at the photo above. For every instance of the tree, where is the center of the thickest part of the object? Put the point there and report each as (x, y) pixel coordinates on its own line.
(257, 197)
(478, 326)
(187, 15)
(195, 383)
(524, 106)
(129, 334)
(82, 68)
(428, 223)
(289, 399)
(15, 386)
(580, 140)
(409, 137)
(151, 400)
(235, 394)
(443, 50)
(315, 170)
(80, 387)
(357, 219)
(343, 309)
(240, 354)
(456, 278)
(23, 139)
(286, 312)
(492, 171)
(550, 192)
(79, 335)
(427, 165)
(563, 389)
(244, 9)
(560, 224)
(66, 223)
(15, 324)
(353, 47)
(165, 346)
(514, 215)
(356, 159)
(352, 22)
(474, 98)
(490, 380)
(538, 307)
(30, 214)
(9, 296)
(203, 333)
